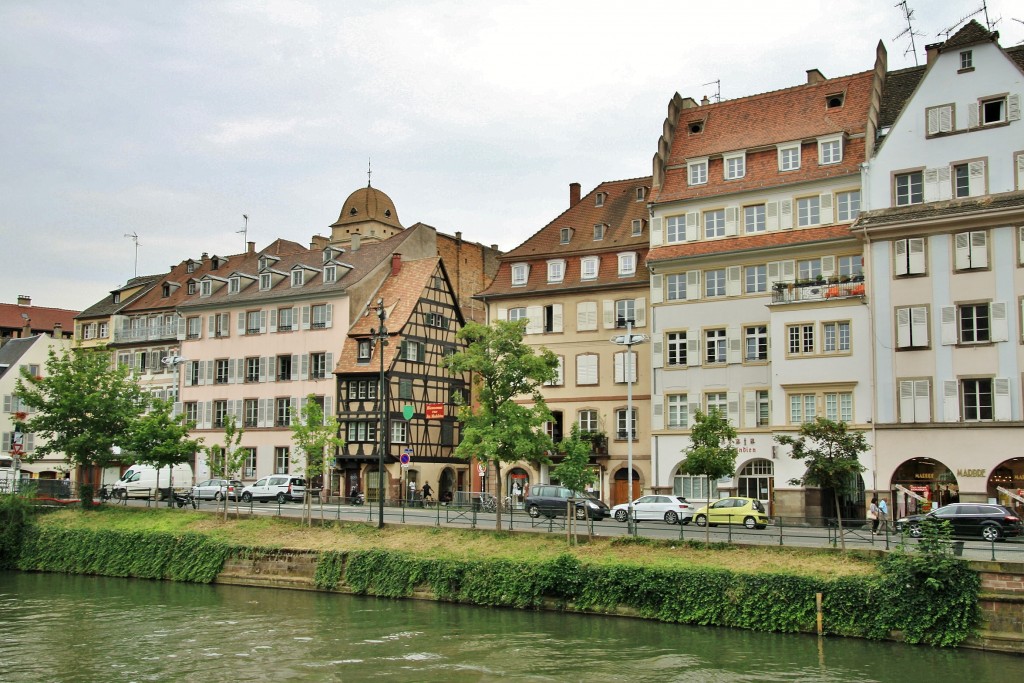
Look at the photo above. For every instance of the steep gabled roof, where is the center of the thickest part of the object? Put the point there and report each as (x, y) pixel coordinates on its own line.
(970, 33)
(899, 86)
(13, 350)
(41, 318)
(107, 306)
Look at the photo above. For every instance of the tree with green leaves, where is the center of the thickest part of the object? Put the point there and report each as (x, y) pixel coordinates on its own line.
(505, 421)
(831, 451)
(575, 473)
(317, 437)
(227, 460)
(160, 439)
(83, 406)
(711, 453)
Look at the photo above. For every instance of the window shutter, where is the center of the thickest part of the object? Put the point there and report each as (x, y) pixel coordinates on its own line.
(979, 249)
(786, 214)
(502, 313)
(828, 266)
(734, 345)
(788, 270)
(231, 371)
(295, 367)
(945, 119)
(534, 319)
(750, 409)
(556, 317)
(825, 208)
(919, 326)
(1020, 171)
(915, 257)
(931, 184)
(732, 281)
(922, 401)
(656, 231)
(293, 405)
(963, 251)
(261, 413)
(304, 369)
(1001, 391)
(997, 314)
(933, 121)
(774, 272)
(263, 368)
(273, 320)
(182, 332)
(207, 414)
(902, 328)
(950, 401)
(1020, 240)
(976, 178)
(694, 407)
(657, 354)
(907, 403)
(5, 442)
(692, 351)
(948, 324)
(241, 323)
(213, 325)
(305, 317)
(7, 403)
(658, 284)
(972, 115)
(640, 312)
(1013, 108)
(619, 361)
(692, 285)
(657, 416)
(731, 220)
(732, 407)
(692, 225)
(263, 322)
(771, 216)
(329, 315)
(609, 314)
(900, 250)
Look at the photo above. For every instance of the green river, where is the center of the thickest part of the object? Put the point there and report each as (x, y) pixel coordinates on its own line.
(93, 629)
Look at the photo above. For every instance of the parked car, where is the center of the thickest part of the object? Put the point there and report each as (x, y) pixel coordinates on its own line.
(217, 489)
(672, 509)
(746, 511)
(279, 487)
(551, 500)
(145, 481)
(991, 522)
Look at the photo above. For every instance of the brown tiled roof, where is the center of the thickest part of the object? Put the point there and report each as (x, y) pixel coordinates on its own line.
(767, 240)
(1016, 53)
(767, 119)
(971, 33)
(618, 211)
(899, 86)
(106, 306)
(41, 319)
(400, 293)
(1005, 201)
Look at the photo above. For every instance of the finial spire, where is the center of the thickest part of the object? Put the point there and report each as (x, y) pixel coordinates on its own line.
(369, 172)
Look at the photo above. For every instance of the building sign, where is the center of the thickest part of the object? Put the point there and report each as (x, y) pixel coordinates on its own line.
(435, 411)
(970, 473)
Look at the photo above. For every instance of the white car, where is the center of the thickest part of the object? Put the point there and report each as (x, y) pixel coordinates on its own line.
(279, 487)
(672, 509)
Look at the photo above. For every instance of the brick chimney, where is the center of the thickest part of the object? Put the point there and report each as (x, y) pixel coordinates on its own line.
(24, 300)
(704, 101)
(250, 248)
(58, 331)
(574, 194)
(26, 331)
(932, 51)
(396, 264)
(815, 76)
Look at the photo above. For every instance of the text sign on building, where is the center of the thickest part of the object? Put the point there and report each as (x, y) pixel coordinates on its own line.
(435, 411)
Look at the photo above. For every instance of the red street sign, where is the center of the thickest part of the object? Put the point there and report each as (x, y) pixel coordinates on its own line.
(435, 411)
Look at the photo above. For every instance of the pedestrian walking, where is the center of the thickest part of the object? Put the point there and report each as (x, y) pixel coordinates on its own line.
(873, 511)
(883, 514)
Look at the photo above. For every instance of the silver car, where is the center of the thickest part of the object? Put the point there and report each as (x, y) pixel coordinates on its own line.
(672, 509)
(217, 489)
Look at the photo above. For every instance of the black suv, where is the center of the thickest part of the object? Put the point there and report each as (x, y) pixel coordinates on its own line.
(552, 500)
(991, 522)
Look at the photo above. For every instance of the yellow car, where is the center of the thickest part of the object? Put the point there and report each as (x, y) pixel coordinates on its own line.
(746, 511)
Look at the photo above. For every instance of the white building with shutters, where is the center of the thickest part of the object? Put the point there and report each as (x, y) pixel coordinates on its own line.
(945, 254)
(757, 286)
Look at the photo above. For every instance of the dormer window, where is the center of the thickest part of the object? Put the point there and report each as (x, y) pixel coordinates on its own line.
(265, 281)
(734, 166)
(205, 288)
(328, 255)
(599, 232)
(298, 277)
(191, 286)
(191, 267)
(215, 262)
(697, 171)
(565, 234)
(556, 270)
(364, 350)
(695, 127)
(234, 285)
(599, 199)
(520, 273)
(830, 150)
(835, 100)
(789, 157)
(165, 290)
(641, 193)
(116, 298)
(589, 267)
(330, 274)
(627, 263)
(264, 262)
(966, 60)
(638, 227)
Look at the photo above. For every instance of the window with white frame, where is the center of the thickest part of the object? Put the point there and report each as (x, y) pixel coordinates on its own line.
(599, 199)
(789, 157)
(234, 285)
(625, 424)
(362, 432)
(221, 371)
(697, 171)
(587, 421)
(756, 342)
(251, 412)
(586, 369)
(717, 401)
(589, 267)
(641, 193)
(761, 409)
(734, 165)
(714, 282)
(298, 277)
(283, 412)
(992, 110)
(808, 211)
(520, 272)
(252, 369)
(205, 288)
(627, 263)
(676, 407)
(839, 406)
(714, 223)
(975, 326)
(808, 269)
(191, 411)
(912, 327)
(675, 286)
(715, 345)
(285, 319)
(850, 265)
(252, 322)
(103, 330)
(564, 235)
(598, 232)
(830, 150)
(690, 486)
(559, 378)
(966, 59)
(675, 229)
(318, 365)
(847, 205)
(638, 227)
(399, 431)
(625, 309)
(281, 454)
(365, 348)
(330, 274)
(909, 188)
(802, 408)
(675, 348)
(800, 339)
(753, 218)
(977, 398)
(756, 278)
(835, 337)
(413, 351)
(319, 316)
(517, 313)
(265, 281)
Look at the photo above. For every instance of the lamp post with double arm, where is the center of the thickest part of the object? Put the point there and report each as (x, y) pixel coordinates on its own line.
(379, 337)
(629, 340)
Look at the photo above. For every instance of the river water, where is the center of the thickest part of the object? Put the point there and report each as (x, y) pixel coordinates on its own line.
(86, 629)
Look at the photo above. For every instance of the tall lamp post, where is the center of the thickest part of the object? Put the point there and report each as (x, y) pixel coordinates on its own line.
(173, 363)
(629, 340)
(379, 337)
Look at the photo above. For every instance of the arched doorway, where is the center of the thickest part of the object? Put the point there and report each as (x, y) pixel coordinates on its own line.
(446, 485)
(620, 487)
(921, 484)
(757, 480)
(517, 484)
(1006, 484)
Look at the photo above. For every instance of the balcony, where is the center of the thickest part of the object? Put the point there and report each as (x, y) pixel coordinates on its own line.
(818, 290)
(148, 333)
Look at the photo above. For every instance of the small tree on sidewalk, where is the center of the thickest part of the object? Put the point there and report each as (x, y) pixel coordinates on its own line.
(831, 452)
(228, 460)
(711, 453)
(161, 440)
(575, 473)
(317, 437)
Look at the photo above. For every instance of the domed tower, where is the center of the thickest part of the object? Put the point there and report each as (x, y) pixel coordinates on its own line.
(367, 215)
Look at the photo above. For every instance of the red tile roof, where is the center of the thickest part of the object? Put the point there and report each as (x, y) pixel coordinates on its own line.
(41, 319)
(767, 240)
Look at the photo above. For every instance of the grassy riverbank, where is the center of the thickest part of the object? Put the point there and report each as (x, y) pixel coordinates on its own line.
(460, 544)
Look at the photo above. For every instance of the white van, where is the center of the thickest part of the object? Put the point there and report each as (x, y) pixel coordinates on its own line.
(141, 481)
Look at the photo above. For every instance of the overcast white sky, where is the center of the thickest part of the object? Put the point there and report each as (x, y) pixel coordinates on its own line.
(172, 119)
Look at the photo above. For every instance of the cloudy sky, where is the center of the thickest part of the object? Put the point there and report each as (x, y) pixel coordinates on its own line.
(172, 119)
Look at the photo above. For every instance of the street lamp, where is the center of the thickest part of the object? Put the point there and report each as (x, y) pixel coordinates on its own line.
(379, 337)
(629, 340)
(173, 362)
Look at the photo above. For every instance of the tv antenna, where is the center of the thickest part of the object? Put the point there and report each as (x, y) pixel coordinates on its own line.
(135, 238)
(908, 15)
(990, 24)
(718, 89)
(244, 232)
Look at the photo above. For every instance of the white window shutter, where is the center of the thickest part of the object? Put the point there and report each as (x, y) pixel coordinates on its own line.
(692, 225)
(907, 400)
(692, 351)
(774, 272)
(771, 216)
(997, 314)
(948, 325)
(933, 121)
(945, 186)
(329, 315)
(241, 323)
(212, 324)
(915, 256)
(692, 285)
(8, 402)
(828, 266)
(902, 328)
(788, 270)
(263, 322)
(1020, 241)
(207, 414)
(263, 368)
(900, 258)
(1001, 392)
(922, 401)
(273, 320)
(825, 208)
(731, 220)
(658, 285)
(979, 249)
(657, 417)
(919, 326)
(732, 281)
(1013, 108)
(1020, 171)
(972, 115)
(656, 231)
(609, 314)
(732, 407)
(619, 363)
(786, 214)
(640, 312)
(556, 317)
(328, 408)
(5, 441)
(231, 371)
(295, 367)
(182, 332)
(502, 313)
(950, 401)
(657, 354)
(962, 251)
(931, 185)
(976, 178)
(535, 319)
(305, 317)
(734, 345)
(945, 119)
(750, 409)
(304, 367)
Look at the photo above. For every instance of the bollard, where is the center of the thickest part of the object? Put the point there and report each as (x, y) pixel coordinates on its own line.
(817, 599)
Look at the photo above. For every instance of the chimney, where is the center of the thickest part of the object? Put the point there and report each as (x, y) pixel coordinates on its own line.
(204, 256)
(355, 242)
(932, 51)
(574, 194)
(58, 330)
(458, 235)
(396, 263)
(24, 300)
(251, 248)
(704, 101)
(815, 76)
(26, 331)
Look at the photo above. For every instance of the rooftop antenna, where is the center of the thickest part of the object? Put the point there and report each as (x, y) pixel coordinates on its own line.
(718, 88)
(245, 232)
(135, 238)
(908, 15)
(990, 24)
(369, 171)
